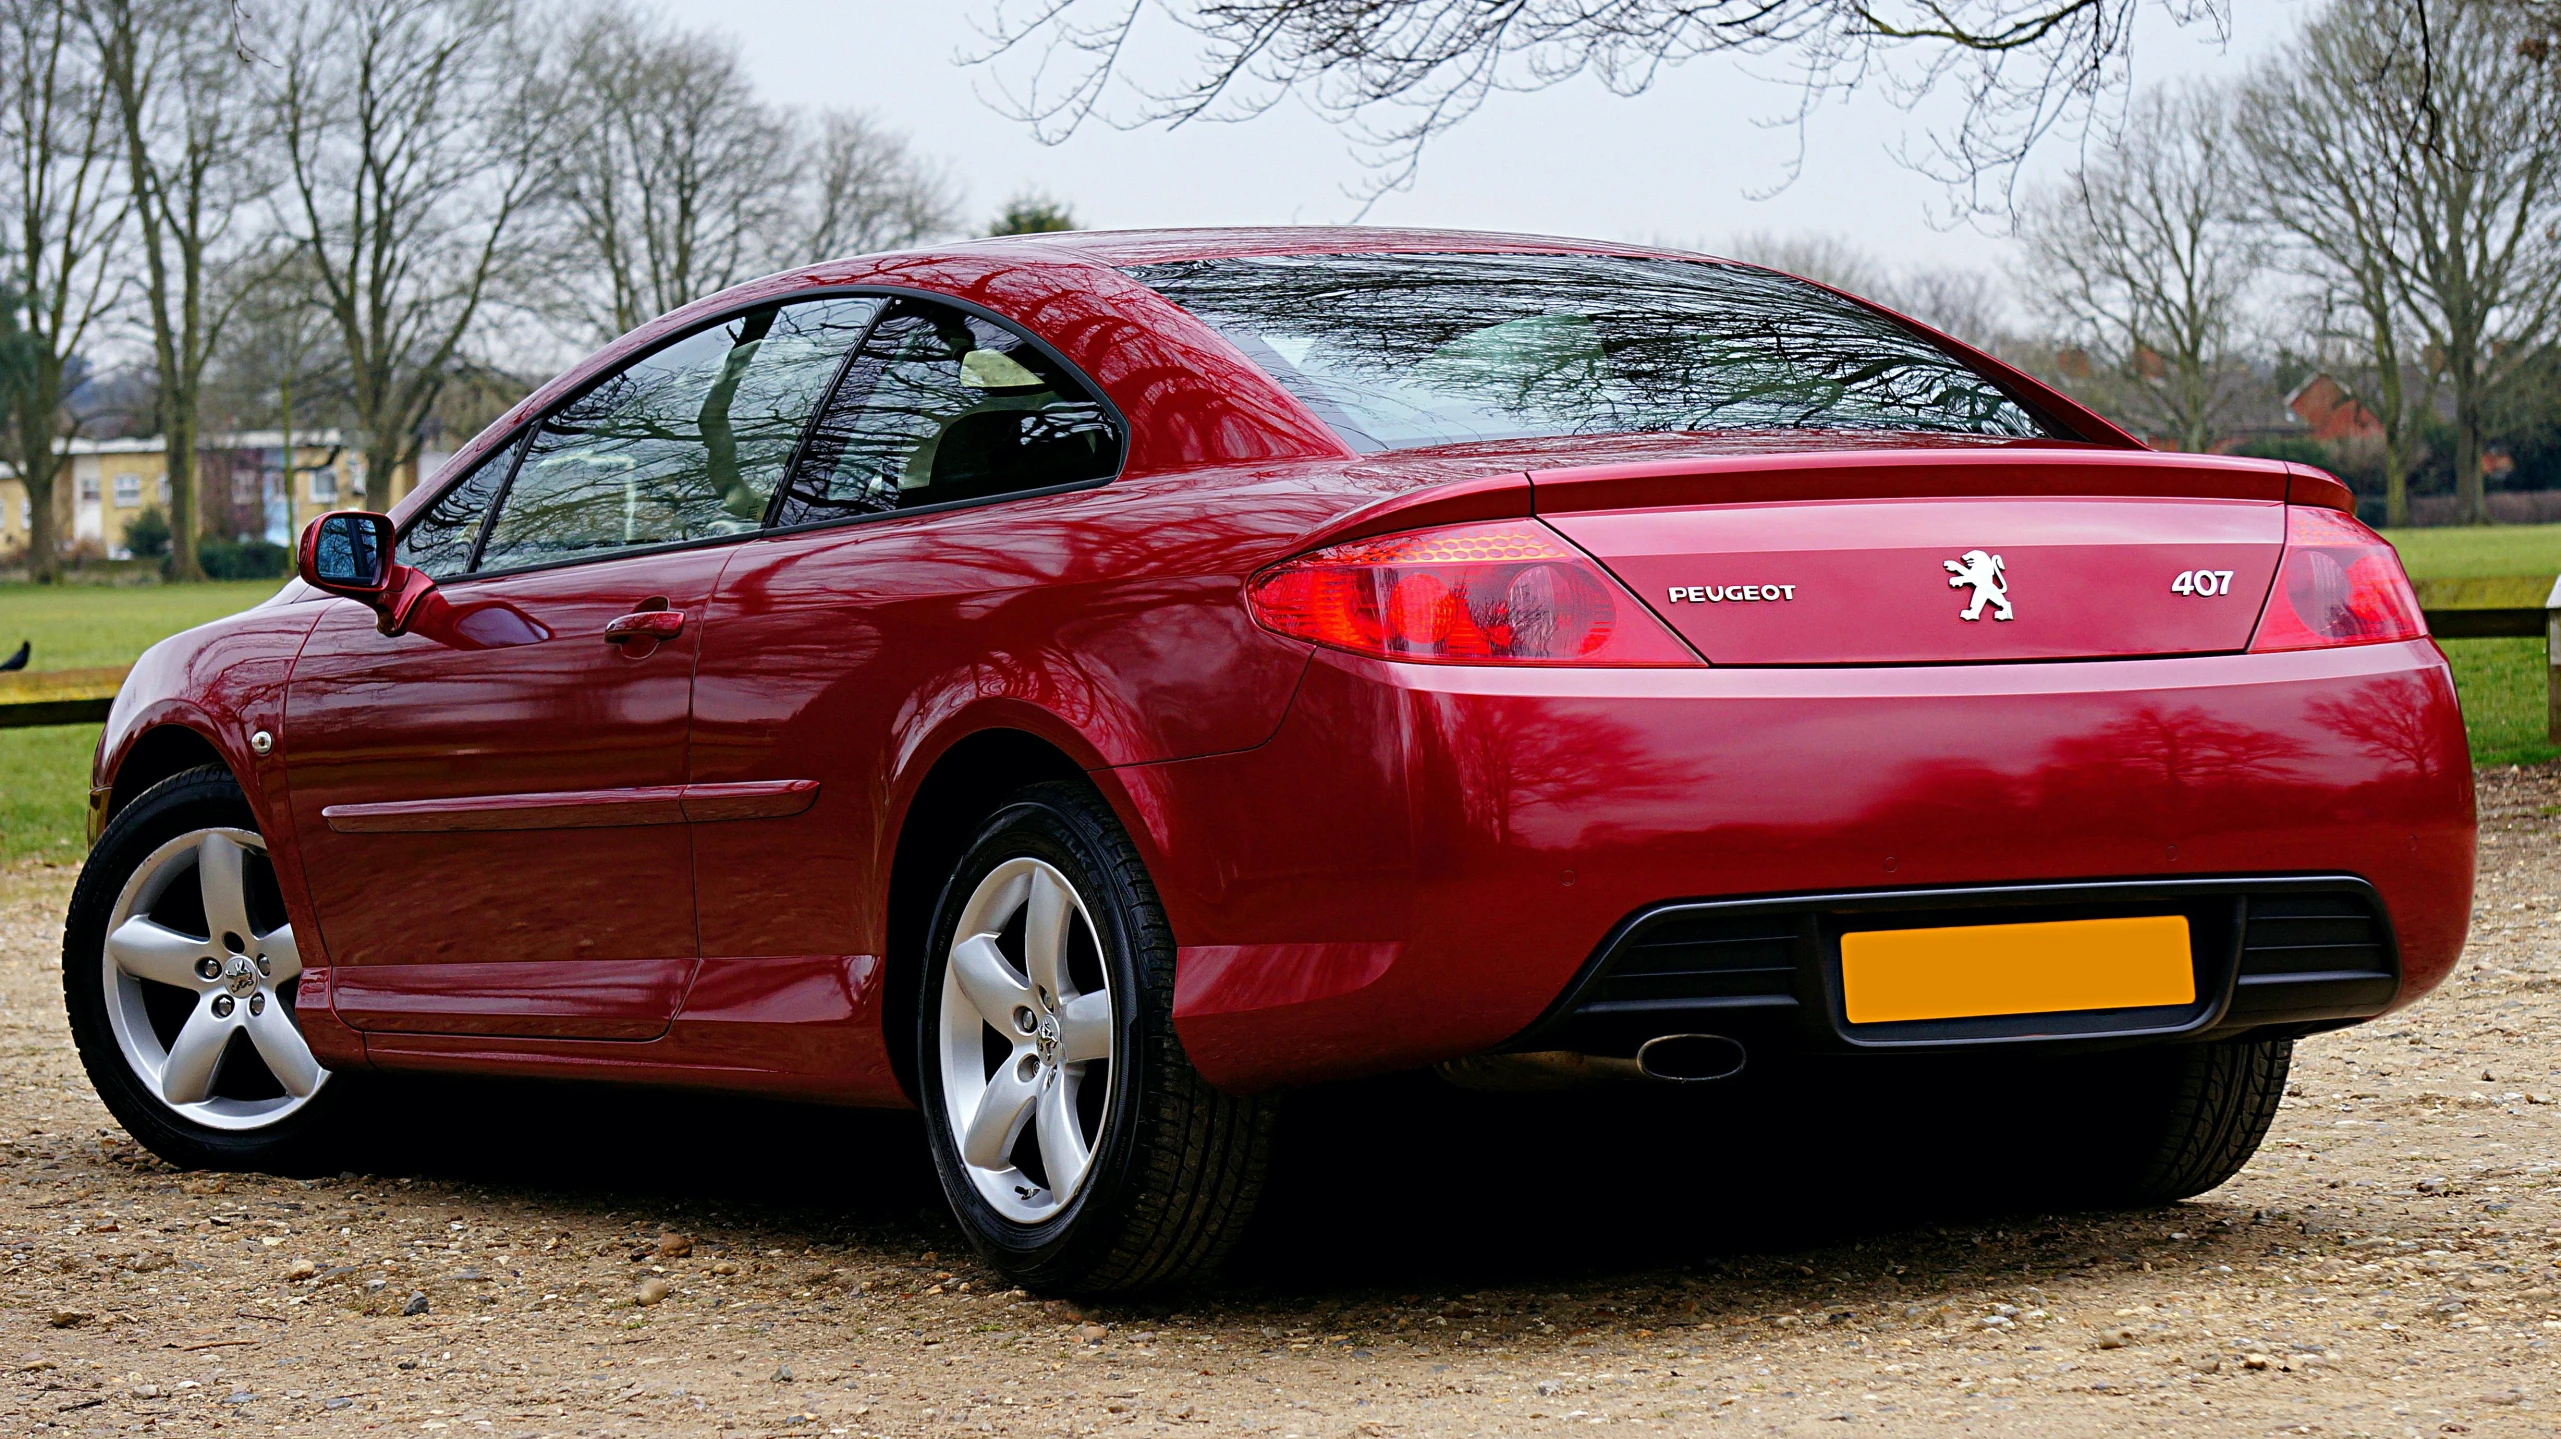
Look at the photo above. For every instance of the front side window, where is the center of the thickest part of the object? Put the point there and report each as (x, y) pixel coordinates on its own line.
(128, 491)
(440, 537)
(941, 406)
(1397, 351)
(686, 443)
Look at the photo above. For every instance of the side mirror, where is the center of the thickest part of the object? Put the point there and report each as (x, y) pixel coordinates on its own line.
(348, 552)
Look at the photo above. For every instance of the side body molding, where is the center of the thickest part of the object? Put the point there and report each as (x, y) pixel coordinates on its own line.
(578, 808)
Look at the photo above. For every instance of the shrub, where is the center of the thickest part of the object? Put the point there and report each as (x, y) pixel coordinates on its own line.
(146, 535)
(247, 559)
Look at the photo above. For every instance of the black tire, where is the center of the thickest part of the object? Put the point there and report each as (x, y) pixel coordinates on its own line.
(2174, 1122)
(302, 1141)
(1176, 1165)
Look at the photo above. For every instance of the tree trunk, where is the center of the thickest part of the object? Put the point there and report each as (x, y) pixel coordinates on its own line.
(284, 449)
(382, 472)
(44, 537)
(2469, 500)
(2396, 482)
(178, 434)
(2393, 414)
(40, 467)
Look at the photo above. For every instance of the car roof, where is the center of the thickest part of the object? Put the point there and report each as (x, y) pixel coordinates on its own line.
(1021, 273)
(1120, 248)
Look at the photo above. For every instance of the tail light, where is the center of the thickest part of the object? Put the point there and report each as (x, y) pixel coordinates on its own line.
(2340, 584)
(1510, 593)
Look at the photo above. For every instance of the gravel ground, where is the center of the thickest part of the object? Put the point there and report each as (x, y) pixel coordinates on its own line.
(1789, 1257)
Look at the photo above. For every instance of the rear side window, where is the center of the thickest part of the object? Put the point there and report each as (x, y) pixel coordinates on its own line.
(941, 406)
(686, 443)
(439, 540)
(1402, 351)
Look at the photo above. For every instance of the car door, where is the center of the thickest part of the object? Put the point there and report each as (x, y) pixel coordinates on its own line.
(490, 804)
(896, 534)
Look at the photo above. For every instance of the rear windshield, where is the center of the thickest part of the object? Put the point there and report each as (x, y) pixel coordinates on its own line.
(1401, 351)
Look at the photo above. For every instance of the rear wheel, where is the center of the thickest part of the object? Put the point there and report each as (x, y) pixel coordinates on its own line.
(179, 971)
(1079, 1149)
(2167, 1124)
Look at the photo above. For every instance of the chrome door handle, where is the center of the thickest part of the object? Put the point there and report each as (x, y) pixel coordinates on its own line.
(646, 625)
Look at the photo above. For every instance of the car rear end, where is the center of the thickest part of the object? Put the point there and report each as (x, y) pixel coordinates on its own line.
(1990, 733)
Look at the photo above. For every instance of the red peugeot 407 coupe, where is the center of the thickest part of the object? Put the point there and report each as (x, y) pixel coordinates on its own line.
(1083, 685)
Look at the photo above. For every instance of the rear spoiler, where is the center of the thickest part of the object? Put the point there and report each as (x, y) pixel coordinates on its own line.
(1921, 474)
(1861, 475)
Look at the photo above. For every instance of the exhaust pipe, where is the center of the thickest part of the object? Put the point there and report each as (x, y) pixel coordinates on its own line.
(1690, 1058)
(1551, 1071)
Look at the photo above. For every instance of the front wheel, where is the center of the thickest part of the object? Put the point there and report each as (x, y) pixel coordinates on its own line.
(1079, 1149)
(179, 972)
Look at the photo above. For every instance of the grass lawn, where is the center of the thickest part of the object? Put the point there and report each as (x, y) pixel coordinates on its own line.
(2502, 685)
(2479, 553)
(44, 773)
(77, 625)
(2501, 681)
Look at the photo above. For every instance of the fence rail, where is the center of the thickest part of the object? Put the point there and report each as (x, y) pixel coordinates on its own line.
(2486, 624)
(58, 697)
(43, 697)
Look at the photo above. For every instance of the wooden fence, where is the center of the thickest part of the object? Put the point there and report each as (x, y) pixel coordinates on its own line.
(42, 697)
(2455, 610)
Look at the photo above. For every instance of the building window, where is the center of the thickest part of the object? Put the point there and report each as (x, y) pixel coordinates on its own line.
(128, 491)
(88, 489)
(324, 486)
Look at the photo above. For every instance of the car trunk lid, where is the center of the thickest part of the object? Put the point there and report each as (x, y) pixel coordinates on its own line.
(2046, 561)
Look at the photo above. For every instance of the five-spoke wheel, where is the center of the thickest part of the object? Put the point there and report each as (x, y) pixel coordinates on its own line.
(199, 991)
(1079, 1148)
(180, 972)
(1026, 1033)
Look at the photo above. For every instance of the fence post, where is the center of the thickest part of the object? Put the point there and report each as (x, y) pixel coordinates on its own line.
(2552, 663)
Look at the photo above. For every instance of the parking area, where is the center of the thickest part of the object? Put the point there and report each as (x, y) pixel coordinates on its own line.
(527, 1261)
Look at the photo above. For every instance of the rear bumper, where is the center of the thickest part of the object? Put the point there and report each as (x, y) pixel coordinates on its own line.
(2266, 955)
(1425, 861)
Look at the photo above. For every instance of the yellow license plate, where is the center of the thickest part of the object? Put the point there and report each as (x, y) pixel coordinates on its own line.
(1977, 970)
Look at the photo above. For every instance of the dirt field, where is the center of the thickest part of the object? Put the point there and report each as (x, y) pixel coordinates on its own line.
(527, 1261)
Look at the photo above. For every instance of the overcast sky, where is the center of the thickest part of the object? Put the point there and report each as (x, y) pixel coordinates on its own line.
(1680, 164)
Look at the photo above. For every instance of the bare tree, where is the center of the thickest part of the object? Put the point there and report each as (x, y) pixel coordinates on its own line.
(1400, 72)
(685, 182)
(1952, 299)
(64, 211)
(2458, 113)
(420, 141)
(2141, 255)
(2311, 134)
(863, 187)
(1955, 300)
(1825, 259)
(679, 179)
(184, 113)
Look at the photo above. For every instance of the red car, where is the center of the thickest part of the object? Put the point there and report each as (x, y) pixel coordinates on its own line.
(1085, 685)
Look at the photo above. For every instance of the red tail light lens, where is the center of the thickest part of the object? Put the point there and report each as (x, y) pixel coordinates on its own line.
(2340, 585)
(1510, 593)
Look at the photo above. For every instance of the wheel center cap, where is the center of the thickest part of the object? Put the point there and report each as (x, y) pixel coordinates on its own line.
(1046, 1037)
(240, 975)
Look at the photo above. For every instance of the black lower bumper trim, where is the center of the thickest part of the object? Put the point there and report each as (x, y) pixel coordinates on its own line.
(2270, 953)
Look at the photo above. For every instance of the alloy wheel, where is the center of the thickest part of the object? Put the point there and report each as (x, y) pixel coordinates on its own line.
(1027, 1040)
(200, 968)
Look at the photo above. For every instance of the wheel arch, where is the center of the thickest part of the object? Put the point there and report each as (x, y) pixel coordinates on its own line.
(961, 788)
(154, 754)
